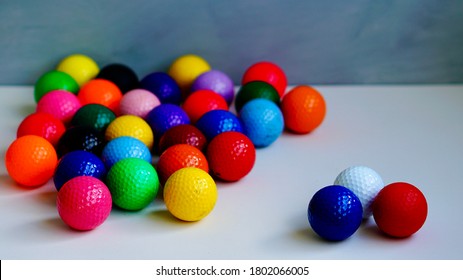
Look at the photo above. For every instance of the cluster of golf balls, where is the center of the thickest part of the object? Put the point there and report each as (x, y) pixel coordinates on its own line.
(107, 138)
(335, 212)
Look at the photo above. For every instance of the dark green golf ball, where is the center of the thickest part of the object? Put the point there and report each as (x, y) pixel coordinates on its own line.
(94, 115)
(253, 90)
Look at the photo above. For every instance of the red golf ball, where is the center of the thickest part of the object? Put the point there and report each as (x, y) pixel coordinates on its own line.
(267, 72)
(202, 101)
(231, 156)
(44, 125)
(400, 209)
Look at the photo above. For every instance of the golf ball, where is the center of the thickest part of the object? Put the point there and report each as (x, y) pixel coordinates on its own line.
(400, 209)
(335, 213)
(84, 203)
(364, 182)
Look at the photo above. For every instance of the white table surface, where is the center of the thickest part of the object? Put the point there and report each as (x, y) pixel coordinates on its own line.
(405, 133)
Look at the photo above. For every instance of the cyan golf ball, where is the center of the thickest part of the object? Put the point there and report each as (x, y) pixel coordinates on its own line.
(364, 182)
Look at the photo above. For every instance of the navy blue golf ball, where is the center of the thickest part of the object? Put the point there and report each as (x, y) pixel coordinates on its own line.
(163, 86)
(263, 121)
(78, 163)
(165, 116)
(124, 147)
(215, 122)
(335, 213)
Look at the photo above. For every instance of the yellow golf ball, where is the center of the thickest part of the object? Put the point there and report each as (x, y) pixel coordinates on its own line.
(129, 125)
(185, 69)
(81, 67)
(190, 194)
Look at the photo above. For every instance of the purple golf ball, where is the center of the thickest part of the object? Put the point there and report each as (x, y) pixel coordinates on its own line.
(166, 116)
(216, 81)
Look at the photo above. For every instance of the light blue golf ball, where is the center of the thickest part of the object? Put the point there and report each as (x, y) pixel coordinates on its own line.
(263, 121)
(122, 148)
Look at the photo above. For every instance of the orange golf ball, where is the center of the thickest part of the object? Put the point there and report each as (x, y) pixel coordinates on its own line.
(303, 109)
(31, 160)
(100, 91)
(180, 156)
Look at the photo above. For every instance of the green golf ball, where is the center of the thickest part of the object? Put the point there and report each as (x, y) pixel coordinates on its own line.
(133, 183)
(54, 80)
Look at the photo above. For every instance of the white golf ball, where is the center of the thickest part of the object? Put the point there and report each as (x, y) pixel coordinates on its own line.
(363, 182)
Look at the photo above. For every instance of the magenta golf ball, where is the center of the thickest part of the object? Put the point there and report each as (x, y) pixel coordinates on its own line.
(59, 103)
(84, 203)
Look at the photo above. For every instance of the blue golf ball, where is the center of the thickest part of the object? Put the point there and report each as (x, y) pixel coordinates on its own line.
(263, 121)
(165, 116)
(163, 86)
(124, 147)
(215, 122)
(78, 163)
(335, 213)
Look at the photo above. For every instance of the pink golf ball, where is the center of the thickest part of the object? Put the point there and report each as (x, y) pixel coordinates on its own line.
(84, 202)
(138, 102)
(61, 104)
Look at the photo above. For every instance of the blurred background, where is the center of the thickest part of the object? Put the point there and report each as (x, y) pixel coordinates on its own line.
(315, 42)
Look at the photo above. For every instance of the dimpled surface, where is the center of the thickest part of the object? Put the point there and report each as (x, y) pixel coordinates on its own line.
(59, 103)
(190, 194)
(100, 91)
(364, 182)
(95, 115)
(121, 75)
(53, 80)
(132, 126)
(231, 156)
(183, 134)
(166, 116)
(84, 203)
(400, 209)
(303, 108)
(44, 125)
(124, 147)
(335, 213)
(216, 81)
(133, 183)
(263, 121)
(253, 90)
(186, 68)
(78, 163)
(180, 156)
(31, 160)
(267, 72)
(163, 86)
(138, 102)
(84, 138)
(201, 102)
(80, 67)
(215, 122)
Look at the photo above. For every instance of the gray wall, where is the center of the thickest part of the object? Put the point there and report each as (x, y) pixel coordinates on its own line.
(316, 42)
